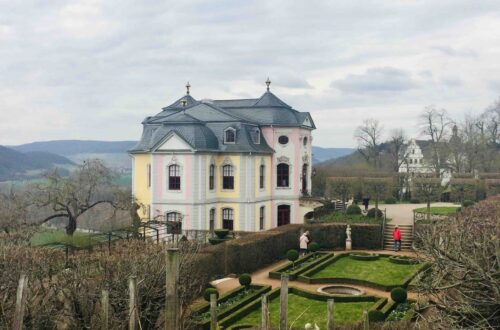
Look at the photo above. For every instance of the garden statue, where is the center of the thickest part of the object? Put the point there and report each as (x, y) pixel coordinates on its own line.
(348, 243)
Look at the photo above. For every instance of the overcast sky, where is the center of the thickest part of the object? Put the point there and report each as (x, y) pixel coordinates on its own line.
(94, 69)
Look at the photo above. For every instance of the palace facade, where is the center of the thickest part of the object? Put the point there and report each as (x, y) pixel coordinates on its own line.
(239, 164)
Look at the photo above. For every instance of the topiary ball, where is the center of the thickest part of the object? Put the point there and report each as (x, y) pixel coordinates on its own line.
(376, 316)
(371, 213)
(221, 233)
(353, 209)
(313, 247)
(208, 292)
(292, 255)
(467, 203)
(245, 279)
(399, 295)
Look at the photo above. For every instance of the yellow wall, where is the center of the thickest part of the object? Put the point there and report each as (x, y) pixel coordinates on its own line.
(267, 215)
(267, 177)
(236, 162)
(140, 181)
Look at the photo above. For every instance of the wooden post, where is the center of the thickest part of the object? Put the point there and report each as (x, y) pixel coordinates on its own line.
(132, 305)
(265, 313)
(213, 311)
(172, 308)
(330, 325)
(283, 301)
(22, 290)
(366, 320)
(105, 310)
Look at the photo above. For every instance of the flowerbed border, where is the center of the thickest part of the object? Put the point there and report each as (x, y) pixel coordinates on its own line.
(276, 273)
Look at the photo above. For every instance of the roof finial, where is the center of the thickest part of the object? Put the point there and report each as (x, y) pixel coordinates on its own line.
(268, 82)
(188, 86)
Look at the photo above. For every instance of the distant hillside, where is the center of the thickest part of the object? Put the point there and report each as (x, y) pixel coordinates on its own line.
(324, 154)
(18, 165)
(74, 147)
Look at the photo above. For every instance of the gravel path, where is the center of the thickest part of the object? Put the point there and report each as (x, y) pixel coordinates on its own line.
(402, 214)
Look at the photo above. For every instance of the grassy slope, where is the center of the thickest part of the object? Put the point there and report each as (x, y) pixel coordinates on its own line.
(439, 210)
(380, 271)
(310, 311)
(79, 239)
(346, 218)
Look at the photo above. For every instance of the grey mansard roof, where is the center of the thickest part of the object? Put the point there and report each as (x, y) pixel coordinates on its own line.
(202, 123)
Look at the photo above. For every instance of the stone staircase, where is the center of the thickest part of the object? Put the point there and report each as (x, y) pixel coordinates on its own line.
(406, 237)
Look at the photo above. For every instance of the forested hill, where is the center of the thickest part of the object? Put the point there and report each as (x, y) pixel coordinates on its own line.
(21, 165)
(74, 147)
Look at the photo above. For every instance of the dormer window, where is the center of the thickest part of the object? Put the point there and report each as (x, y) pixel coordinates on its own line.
(230, 135)
(256, 136)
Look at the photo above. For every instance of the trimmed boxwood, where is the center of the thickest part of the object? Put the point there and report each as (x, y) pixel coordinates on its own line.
(371, 213)
(217, 240)
(390, 200)
(227, 322)
(415, 201)
(363, 256)
(208, 292)
(245, 279)
(221, 233)
(321, 256)
(292, 255)
(205, 307)
(403, 260)
(313, 247)
(399, 295)
(467, 203)
(353, 209)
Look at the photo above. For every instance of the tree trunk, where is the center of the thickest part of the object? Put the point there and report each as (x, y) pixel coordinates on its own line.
(71, 227)
(428, 210)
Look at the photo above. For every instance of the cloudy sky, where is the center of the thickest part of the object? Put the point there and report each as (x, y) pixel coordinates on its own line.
(90, 69)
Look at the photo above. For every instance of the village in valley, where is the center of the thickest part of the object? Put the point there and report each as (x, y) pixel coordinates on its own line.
(247, 210)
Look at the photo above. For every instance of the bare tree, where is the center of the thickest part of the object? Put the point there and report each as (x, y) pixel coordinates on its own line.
(429, 189)
(12, 210)
(342, 188)
(378, 188)
(368, 136)
(92, 184)
(397, 151)
(464, 256)
(435, 125)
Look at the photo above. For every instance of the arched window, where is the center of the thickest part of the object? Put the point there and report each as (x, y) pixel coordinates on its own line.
(283, 175)
(174, 177)
(212, 220)
(211, 177)
(304, 179)
(174, 223)
(262, 213)
(230, 135)
(305, 141)
(262, 170)
(227, 219)
(227, 177)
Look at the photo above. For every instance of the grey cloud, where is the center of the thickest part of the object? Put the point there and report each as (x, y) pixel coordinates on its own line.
(452, 81)
(385, 79)
(457, 52)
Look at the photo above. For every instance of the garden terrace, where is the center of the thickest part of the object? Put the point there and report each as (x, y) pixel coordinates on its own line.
(303, 307)
(380, 273)
(300, 266)
(228, 303)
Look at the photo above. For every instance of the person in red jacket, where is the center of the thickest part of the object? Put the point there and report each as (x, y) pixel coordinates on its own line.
(396, 234)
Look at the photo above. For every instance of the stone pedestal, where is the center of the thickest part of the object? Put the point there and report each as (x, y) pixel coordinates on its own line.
(348, 244)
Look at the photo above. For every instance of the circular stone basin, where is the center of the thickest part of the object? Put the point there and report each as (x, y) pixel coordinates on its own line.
(341, 290)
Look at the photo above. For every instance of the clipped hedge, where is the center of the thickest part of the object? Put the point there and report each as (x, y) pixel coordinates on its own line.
(399, 295)
(403, 260)
(353, 209)
(276, 273)
(363, 256)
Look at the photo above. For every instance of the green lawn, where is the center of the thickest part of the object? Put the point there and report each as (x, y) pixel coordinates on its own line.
(439, 210)
(304, 310)
(54, 237)
(380, 271)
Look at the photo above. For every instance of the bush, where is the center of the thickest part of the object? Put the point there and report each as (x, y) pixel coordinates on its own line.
(390, 200)
(353, 209)
(292, 255)
(403, 260)
(415, 201)
(208, 292)
(313, 247)
(399, 295)
(363, 256)
(467, 203)
(221, 233)
(245, 279)
(376, 316)
(371, 213)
